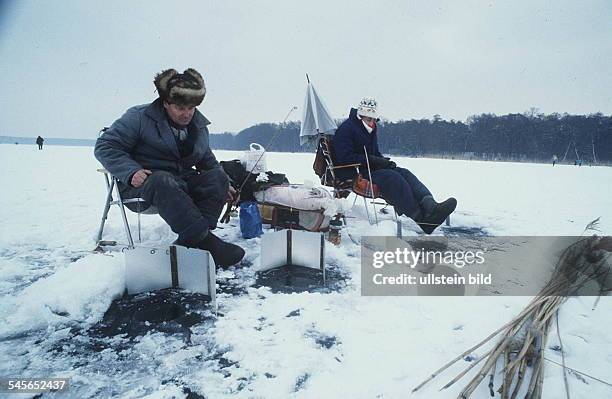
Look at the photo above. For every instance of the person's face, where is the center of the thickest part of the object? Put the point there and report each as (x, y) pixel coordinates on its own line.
(180, 114)
(369, 121)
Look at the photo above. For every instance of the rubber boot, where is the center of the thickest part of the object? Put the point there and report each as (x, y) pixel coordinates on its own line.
(224, 253)
(428, 203)
(434, 214)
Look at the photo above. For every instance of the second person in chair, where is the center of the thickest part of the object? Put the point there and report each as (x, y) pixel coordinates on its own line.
(398, 186)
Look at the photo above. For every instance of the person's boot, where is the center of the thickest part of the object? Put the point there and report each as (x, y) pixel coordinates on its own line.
(434, 214)
(224, 253)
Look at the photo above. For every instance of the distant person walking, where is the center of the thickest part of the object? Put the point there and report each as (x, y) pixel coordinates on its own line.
(554, 159)
(40, 141)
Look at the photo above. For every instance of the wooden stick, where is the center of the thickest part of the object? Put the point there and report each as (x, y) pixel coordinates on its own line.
(532, 382)
(533, 303)
(504, 387)
(491, 379)
(540, 365)
(519, 380)
(526, 345)
(487, 366)
(464, 372)
(571, 272)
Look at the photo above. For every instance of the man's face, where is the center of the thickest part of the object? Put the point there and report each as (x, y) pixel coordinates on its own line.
(180, 114)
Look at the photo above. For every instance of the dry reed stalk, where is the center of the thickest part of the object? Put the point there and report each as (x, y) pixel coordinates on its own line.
(492, 379)
(572, 271)
(464, 372)
(519, 380)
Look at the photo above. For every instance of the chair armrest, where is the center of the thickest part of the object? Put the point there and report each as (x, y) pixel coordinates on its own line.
(353, 165)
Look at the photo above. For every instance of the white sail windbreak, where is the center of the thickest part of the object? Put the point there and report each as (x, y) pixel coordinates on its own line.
(316, 118)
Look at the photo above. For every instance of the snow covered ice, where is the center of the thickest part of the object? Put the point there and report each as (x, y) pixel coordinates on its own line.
(62, 315)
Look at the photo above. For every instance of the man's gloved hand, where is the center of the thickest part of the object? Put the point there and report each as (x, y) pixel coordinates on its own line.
(377, 162)
(380, 163)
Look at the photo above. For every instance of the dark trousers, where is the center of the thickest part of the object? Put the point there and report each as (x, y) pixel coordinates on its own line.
(400, 188)
(191, 204)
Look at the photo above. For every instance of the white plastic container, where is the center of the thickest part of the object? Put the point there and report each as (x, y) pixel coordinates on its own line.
(255, 159)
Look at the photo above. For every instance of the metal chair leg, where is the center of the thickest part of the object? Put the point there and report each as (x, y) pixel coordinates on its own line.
(109, 199)
(365, 203)
(124, 216)
(398, 231)
(138, 216)
(374, 209)
(371, 185)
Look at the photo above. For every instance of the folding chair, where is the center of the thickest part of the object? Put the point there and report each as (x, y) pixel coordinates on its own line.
(111, 183)
(325, 167)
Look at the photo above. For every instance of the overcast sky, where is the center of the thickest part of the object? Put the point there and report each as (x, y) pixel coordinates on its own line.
(68, 68)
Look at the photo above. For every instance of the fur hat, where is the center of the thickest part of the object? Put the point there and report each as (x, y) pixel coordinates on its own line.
(185, 88)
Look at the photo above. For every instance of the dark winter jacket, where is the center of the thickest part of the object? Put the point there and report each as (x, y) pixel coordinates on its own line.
(142, 139)
(349, 140)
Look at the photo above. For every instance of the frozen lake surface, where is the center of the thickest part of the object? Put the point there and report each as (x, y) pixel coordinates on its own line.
(62, 316)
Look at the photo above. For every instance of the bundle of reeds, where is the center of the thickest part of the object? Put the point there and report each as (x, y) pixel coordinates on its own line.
(519, 350)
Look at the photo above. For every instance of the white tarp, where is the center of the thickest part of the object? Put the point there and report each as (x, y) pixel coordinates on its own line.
(297, 196)
(316, 117)
(303, 197)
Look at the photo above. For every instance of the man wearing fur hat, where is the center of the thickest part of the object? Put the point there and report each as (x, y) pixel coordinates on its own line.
(398, 186)
(160, 152)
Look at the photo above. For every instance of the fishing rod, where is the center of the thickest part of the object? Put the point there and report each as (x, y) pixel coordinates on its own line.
(264, 151)
(231, 205)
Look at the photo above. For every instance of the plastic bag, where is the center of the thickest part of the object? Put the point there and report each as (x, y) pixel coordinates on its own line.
(250, 220)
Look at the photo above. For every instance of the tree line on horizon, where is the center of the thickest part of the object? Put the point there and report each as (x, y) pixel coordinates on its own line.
(530, 136)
